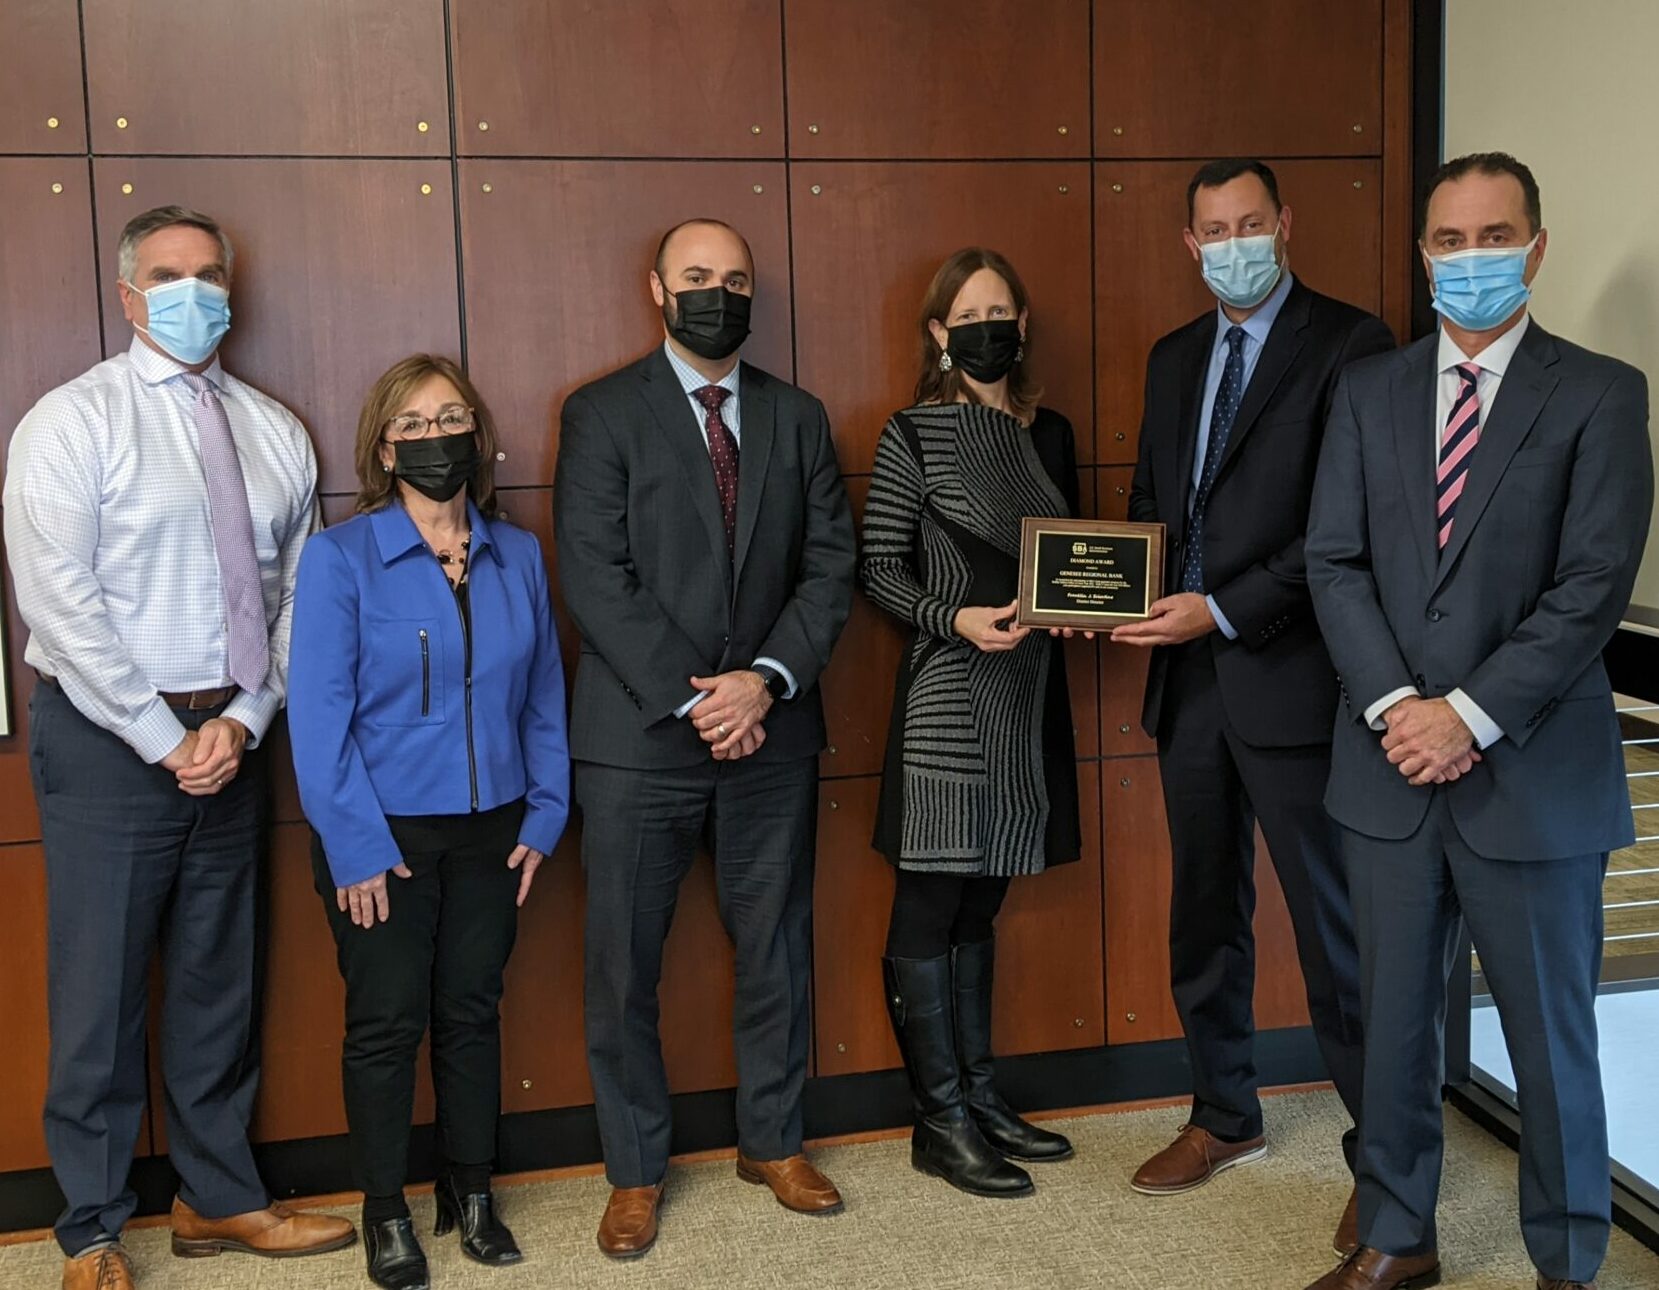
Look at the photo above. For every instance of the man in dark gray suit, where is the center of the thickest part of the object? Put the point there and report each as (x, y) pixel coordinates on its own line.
(1482, 503)
(706, 554)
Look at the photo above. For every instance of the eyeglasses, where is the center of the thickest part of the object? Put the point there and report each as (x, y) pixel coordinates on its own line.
(411, 425)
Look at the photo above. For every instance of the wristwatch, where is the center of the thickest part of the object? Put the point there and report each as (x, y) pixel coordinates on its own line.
(777, 684)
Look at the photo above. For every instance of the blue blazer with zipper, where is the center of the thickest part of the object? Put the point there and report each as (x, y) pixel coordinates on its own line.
(381, 715)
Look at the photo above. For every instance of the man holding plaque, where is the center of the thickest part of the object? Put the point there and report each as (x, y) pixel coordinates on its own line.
(1241, 693)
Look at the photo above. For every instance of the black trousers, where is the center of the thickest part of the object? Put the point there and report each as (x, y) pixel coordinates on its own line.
(1216, 787)
(132, 865)
(934, 911)
(640, 830)
(437, 959)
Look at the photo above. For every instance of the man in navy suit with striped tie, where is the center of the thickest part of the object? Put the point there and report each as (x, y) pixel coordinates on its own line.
(1481, 508)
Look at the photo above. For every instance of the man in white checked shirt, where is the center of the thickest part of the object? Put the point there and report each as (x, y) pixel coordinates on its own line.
(1482, 503)
(155, 508)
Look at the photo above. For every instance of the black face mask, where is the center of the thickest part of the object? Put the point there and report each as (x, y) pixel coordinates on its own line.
(439, 467)
(711, 321)
(986, 351)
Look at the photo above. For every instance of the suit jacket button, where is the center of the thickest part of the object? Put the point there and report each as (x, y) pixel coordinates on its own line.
(1434, 615)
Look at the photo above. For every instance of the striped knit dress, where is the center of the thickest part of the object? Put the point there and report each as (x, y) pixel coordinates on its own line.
(980, 774)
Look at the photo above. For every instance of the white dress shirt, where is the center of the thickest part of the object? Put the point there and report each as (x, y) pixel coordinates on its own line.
(1494, 362)
(111, 542)
(691, 380)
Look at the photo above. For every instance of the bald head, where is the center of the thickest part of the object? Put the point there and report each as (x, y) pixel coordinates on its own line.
(705, 253)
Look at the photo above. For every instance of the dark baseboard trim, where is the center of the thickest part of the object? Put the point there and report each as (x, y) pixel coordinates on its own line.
(833, 1105)
(1631, 1211)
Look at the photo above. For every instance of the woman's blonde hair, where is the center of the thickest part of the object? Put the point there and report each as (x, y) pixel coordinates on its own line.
(390, 396)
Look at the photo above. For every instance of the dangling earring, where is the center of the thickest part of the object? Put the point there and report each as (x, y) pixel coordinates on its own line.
(944, 361)
(1019, 354)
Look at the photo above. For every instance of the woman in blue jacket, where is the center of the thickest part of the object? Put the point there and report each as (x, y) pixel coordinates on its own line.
(426, 704)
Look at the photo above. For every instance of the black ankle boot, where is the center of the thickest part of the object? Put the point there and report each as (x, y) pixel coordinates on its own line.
(946, 1142)
(484, 1237)
(395, 1258)
(972, 970)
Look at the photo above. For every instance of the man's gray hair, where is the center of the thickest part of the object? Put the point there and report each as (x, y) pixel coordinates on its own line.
(140, 227)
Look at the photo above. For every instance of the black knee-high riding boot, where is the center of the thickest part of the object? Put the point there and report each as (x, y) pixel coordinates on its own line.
(973, 969)
(946, 1142)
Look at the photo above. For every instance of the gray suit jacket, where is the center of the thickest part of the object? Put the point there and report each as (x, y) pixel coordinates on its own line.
(1515, 611)
(645, 575)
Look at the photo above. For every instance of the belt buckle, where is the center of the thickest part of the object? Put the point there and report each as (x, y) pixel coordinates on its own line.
(195, 706)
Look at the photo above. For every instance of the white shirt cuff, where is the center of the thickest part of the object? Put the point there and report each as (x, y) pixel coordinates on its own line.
(783, 672)
(1485, 730)
(691, 703)
(1221, 619)
(1374, 714)
(155, 733)
(254, 711)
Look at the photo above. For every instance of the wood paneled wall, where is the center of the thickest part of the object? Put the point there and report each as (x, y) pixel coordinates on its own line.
(495, 189)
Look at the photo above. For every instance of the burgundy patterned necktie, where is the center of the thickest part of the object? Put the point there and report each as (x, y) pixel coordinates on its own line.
(722, 456)
(227, 500)
(1459, 440)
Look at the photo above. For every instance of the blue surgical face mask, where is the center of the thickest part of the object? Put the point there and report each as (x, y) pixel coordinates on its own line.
(1242, 271)
(188, 318)
(1479, 289)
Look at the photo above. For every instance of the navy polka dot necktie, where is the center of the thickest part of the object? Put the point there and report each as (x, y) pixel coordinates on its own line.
(1227, 397)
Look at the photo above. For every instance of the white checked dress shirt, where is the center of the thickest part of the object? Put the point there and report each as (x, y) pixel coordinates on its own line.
(111, 544)
(1493, 362)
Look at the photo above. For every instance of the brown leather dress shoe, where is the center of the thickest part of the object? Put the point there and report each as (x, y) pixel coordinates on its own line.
(1550, 1283)
(1368, 1269)
(629, 1228)
(275, 1232)
(794, 1181)
(105, 1267)
(1195, 1157)
(1347, 1231)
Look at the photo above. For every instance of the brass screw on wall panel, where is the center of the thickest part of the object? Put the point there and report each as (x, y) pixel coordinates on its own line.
(126, 188)
(483, 125)
(1124, 728)
(1118, 436)
(51, 123)
(832, 750)
(1120, 490)
(1117, 188)
(834, 805)
(1359, 129)
(759, 189)
(489, 188)
(1130, 1015)
(812, 129)
(816, 189)
(1078, 1022)
(1065, 188)
(526, 1083)
(754, 129)
(1359, 183)
(841, 1048)
(57, 188)
(120, 123)
(426, 190)
(1117, 129)
(422, 126)
(1063, 130)
(1124, 782)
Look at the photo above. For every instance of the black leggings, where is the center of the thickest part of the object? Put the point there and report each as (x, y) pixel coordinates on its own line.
(934, 911)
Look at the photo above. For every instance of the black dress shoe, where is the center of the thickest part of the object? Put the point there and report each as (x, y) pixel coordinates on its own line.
(484, 1237)
(395, 1258)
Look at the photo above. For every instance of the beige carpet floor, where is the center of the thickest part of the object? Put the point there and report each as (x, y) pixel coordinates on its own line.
(1267, 1226)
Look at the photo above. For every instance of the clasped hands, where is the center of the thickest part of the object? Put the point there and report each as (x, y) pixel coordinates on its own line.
(207, 759)
(729, 716)
(1428, 742)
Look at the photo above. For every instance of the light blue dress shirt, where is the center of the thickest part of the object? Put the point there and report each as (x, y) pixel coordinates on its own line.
(1256, 328)
(691, 380)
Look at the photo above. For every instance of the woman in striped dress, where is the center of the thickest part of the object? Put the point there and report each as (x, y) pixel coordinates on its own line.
(980, 781)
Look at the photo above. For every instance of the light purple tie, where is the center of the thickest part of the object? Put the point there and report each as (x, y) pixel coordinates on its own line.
(227, 499)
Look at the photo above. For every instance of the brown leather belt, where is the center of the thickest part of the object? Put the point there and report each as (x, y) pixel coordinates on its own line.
(190, 701)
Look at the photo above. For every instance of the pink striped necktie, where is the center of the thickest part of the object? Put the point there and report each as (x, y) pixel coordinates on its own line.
(227, 498)
(1458, 442)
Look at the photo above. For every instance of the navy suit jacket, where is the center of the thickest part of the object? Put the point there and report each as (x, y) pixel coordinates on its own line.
(1515, 610)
